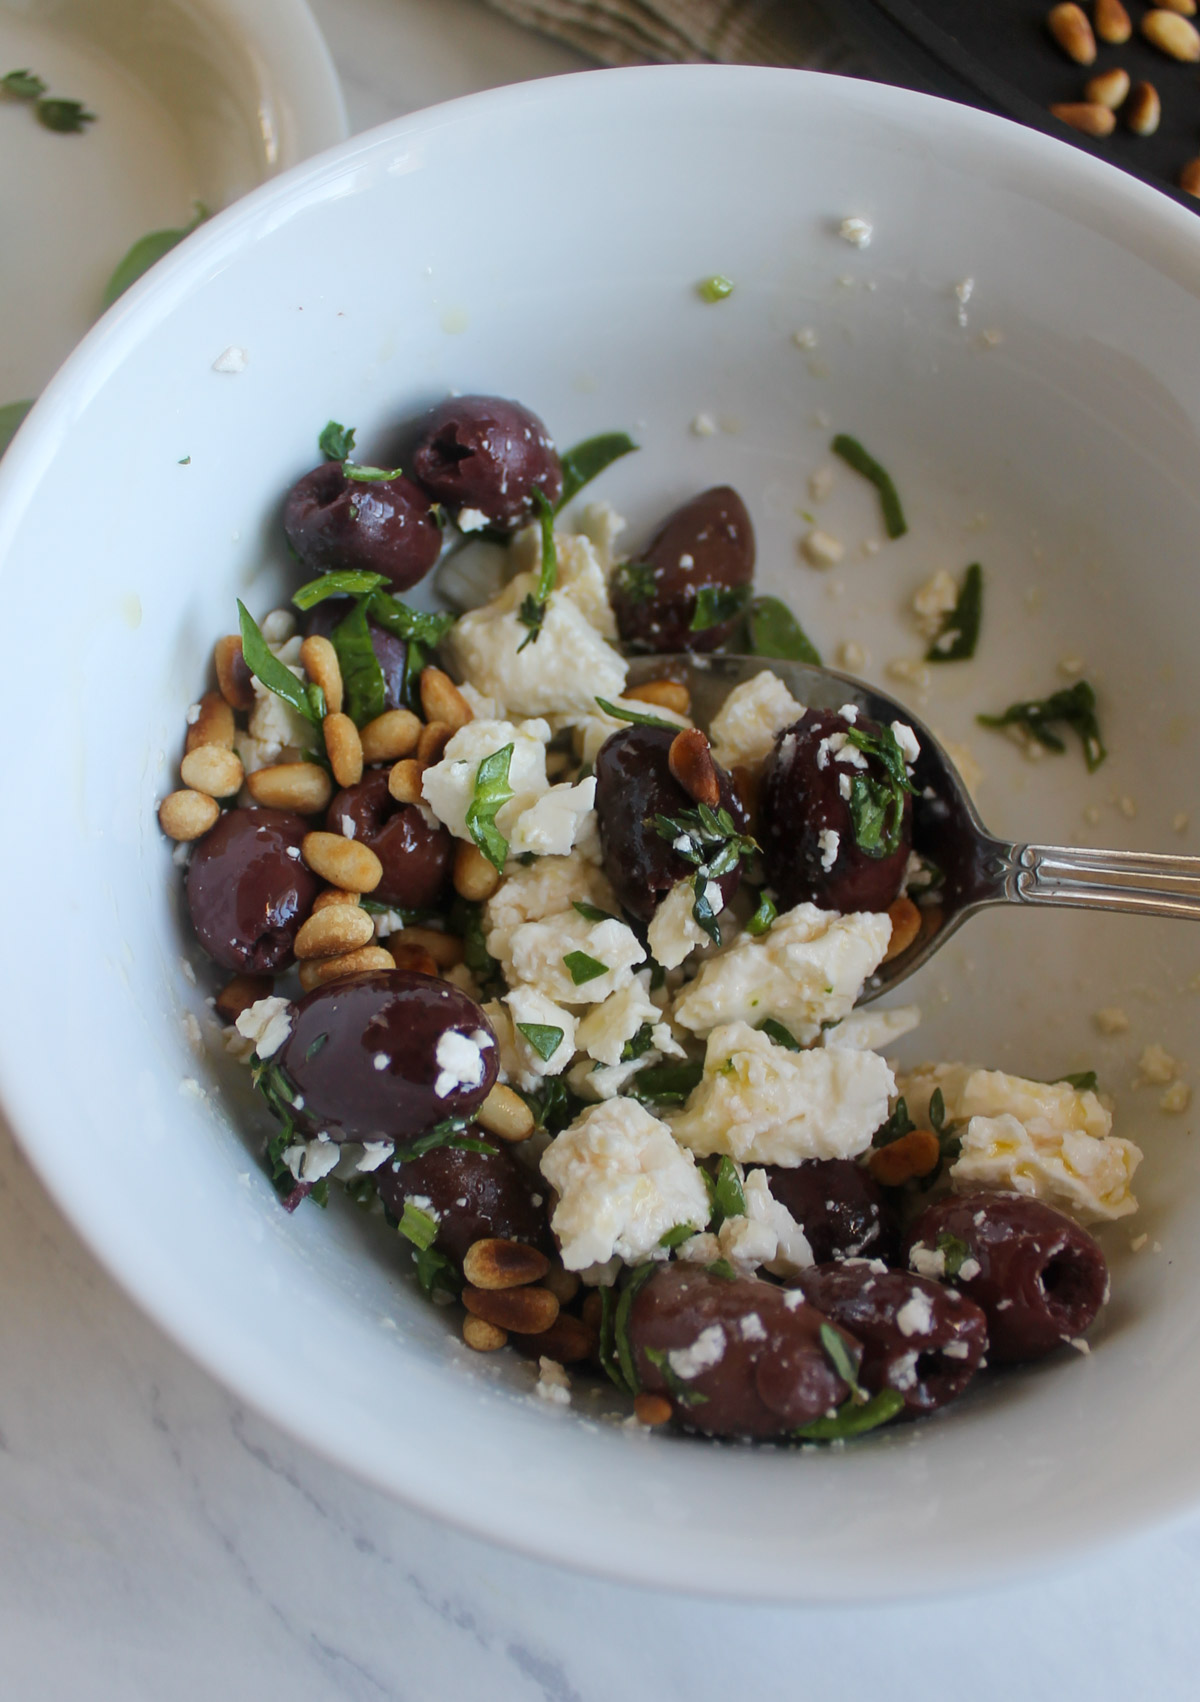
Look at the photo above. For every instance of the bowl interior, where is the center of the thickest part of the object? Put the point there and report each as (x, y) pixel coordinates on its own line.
(545, 242)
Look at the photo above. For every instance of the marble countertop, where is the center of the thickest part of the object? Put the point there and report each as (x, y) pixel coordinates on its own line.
(160, 1542)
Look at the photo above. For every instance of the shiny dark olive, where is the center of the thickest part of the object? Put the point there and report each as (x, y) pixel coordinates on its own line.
(416, 856)
(840, 1207)
(390, 652)
(474, 1194)
(923, 1340)
(486, 454)
(371, 526)
(1041, 1279)
(772, 1374)
(370, 1056)
(802, 800)
(634, 785)
(707, 546)
(248, 891)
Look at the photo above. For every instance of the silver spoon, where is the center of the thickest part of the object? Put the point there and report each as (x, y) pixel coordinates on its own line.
(980, 870)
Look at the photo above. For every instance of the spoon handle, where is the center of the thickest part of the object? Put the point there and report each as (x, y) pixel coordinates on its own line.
(1141, 883)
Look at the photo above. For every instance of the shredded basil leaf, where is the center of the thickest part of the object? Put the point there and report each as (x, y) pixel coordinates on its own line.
(955, 1253)
(680, 1391)
(897, 1125)
(609, 1362)
(554, 1105)
(635, 581)
(716, 604)
(347, 582)
(532, 612)
(1083, 1081)
(723, 1269)
(877, 805)
(851, 1419)
(466, 920)
(11, 416)
(269, 669)
(636, 1282)
(843, 1362)
(369, 475)
(676, 1237)
(544, 1039)
(760, 922)
(492, 792)
(725, 1193)
(435, 1272)
(937, 1110)
(1074, 706)
(418, 1226)
(715, 288)
(362, 677)
(413, 625)
(854, 455)
(773, 630)
(584, 968)
(336, 441)
(587, 460)
(638, 1044)
(68, 117)
(314, 1046)
(714, 847)
(666, 1084)
(145, 251)
(638, 717)
(450, 1133)
(23, 85)
(592, 912)
(959, 634)
(779, 1034)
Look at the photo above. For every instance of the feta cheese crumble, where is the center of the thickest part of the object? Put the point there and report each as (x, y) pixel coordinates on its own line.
(707, 1350)
(459, 1059)
(743, 730)
(857, 232)
(267, 1023)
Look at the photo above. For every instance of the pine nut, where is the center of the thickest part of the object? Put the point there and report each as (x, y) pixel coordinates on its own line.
(529, 1311)
(1069, 26)
(498, 1263)
(1109, 88)
(299, 786)
(1185, 8)
(367, 960)
(568, 1340)
(441, 699)
(320, 662)
(214, 725)
(390, 736)
(233, 676)
(1172, 35)
(211, 769)
(343, 748)
(404, 781)
(187, 815)
(336, 929)
(334, 895)
(664, 694)
(505, 1115)
(239, 994)
(1085, 115)
(445, 949)
(652, 1409)
(435, 736)
(342, 862)
(906, 925)
(413, 958)
(1189, 178)
(1143, 109)
(1111, 22)
(690, 761)
(565, 1284)
(474, 876)
(482, 1336)
(914, 1154)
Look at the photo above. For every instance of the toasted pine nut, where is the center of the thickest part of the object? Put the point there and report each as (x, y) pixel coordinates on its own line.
(336, 929)
(390, 736)
(505, 1115)
(664, 694)
(563, 1283)
(1109, 88)
(1111, 22)
(214, 725)
(435, 736)
(746, 785)
(239, 994)
(1085, 115)
(652, 1409)
(498, 1263)
(526, 1310)
(320, 662)
(1189, 178)
(1172, 35)
(445, 949)
(474, 876)
(442, 701)
(906, 925)
(299, 786)
(1069, 26)
(482, 1336)
(568, 1340)
(404, 781)
(344, 749)
(690, 761)
(233, 676)
(211, 769)
(414, 958)
(1143, 109)
(316, 971)
(335, 895)
(187, 815)
(1185, 8)
(342, 862)
(914, 1154)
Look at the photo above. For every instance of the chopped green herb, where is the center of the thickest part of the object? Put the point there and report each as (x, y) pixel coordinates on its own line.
(666, 1084)
(955, 1253)
(532, 612)
(760, 922)
(415, 626)
(145, 251)
(22, 85)
(635, 581)
(269, 669)
(492, 792)
(937, 1110)
(450, 1133)
(959, 634)
(638, 1044)
(544, 1039)
(676, 1237)
(710, 841)
(715, 288)
(587, 460)
(369, 475)
(554, 1105)
(584, 968)
(773, 630)
(314, 1046)
(638, 717)
(680, 1391)
(851, 1419)
(466, 921)
(723, 1269)
(349, 582)
(67, 117)
(897, 1125)
(779, 1034)
(418, 1226)
(336, 441)
(316, 698)
(184, 461)
(854, 455)
(11, 415)
(637, 1280)
(716, 604)
(877, 805)
(607, 1352)
(363, 1190)
(843, 1362)
(435, 1272)
(362, 677)
(1074, 707)
(1083, 1081)
(725, 1193)
(592, 912)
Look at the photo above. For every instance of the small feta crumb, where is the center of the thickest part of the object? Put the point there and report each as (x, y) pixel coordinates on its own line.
(1078, 1343)
(805, 338)
(911, 670)
(852, 656)
(704, 426)
(991, 339)
(1071, 666)
(1127, 807)
(793, 1298)
(1176, 1098)
(373, 1154)
(752, 1328)
(828, 841)
(964, 290)
(933, 601)
(1157, 1065)
(969, 1270)
(957, 1350)
(460, 1063)
(232, 359)
(267, 1023)
(193, 714)
(182, 854)
(1111, 1020)
(1138, 1242)
(471, 520)
(820, 483)
(857, 232)
(907, 740)
(915, 1317)
(380, 1061)
(553, 1384)
(821, 549)
(707, 1350)
(189, 974)
(928, 1261)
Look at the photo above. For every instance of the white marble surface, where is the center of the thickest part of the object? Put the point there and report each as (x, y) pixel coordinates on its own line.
(159, 1542)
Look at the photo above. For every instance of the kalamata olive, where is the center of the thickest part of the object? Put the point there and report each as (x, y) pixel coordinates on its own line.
(474, 1194)
(839, 1206)
(707, 545)
(386, 1056)
(416, 855)
(390, 652)
(1038, 1276)
(806, 828)
(487, 455)
(371, 526)
(248, 891)
(921, 1339)
(634, 784)
(757, 1360)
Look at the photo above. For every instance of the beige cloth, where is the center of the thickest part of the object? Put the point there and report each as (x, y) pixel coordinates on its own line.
(731, 32)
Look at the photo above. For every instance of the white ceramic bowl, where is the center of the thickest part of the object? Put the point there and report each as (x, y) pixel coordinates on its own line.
(544, 242)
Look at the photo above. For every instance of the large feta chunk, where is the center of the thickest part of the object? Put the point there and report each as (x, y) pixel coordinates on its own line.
(1087, 1176)
(448, 786)
(674, 932)
(536, 891)
(743, 729)
(601, 523)
(808, 969)
(1045, 1107)
(760, 1102)
(568, 667)
(556, 822)
(581, 573)
(622, 1182)
(537, 953)
(607, 1028)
